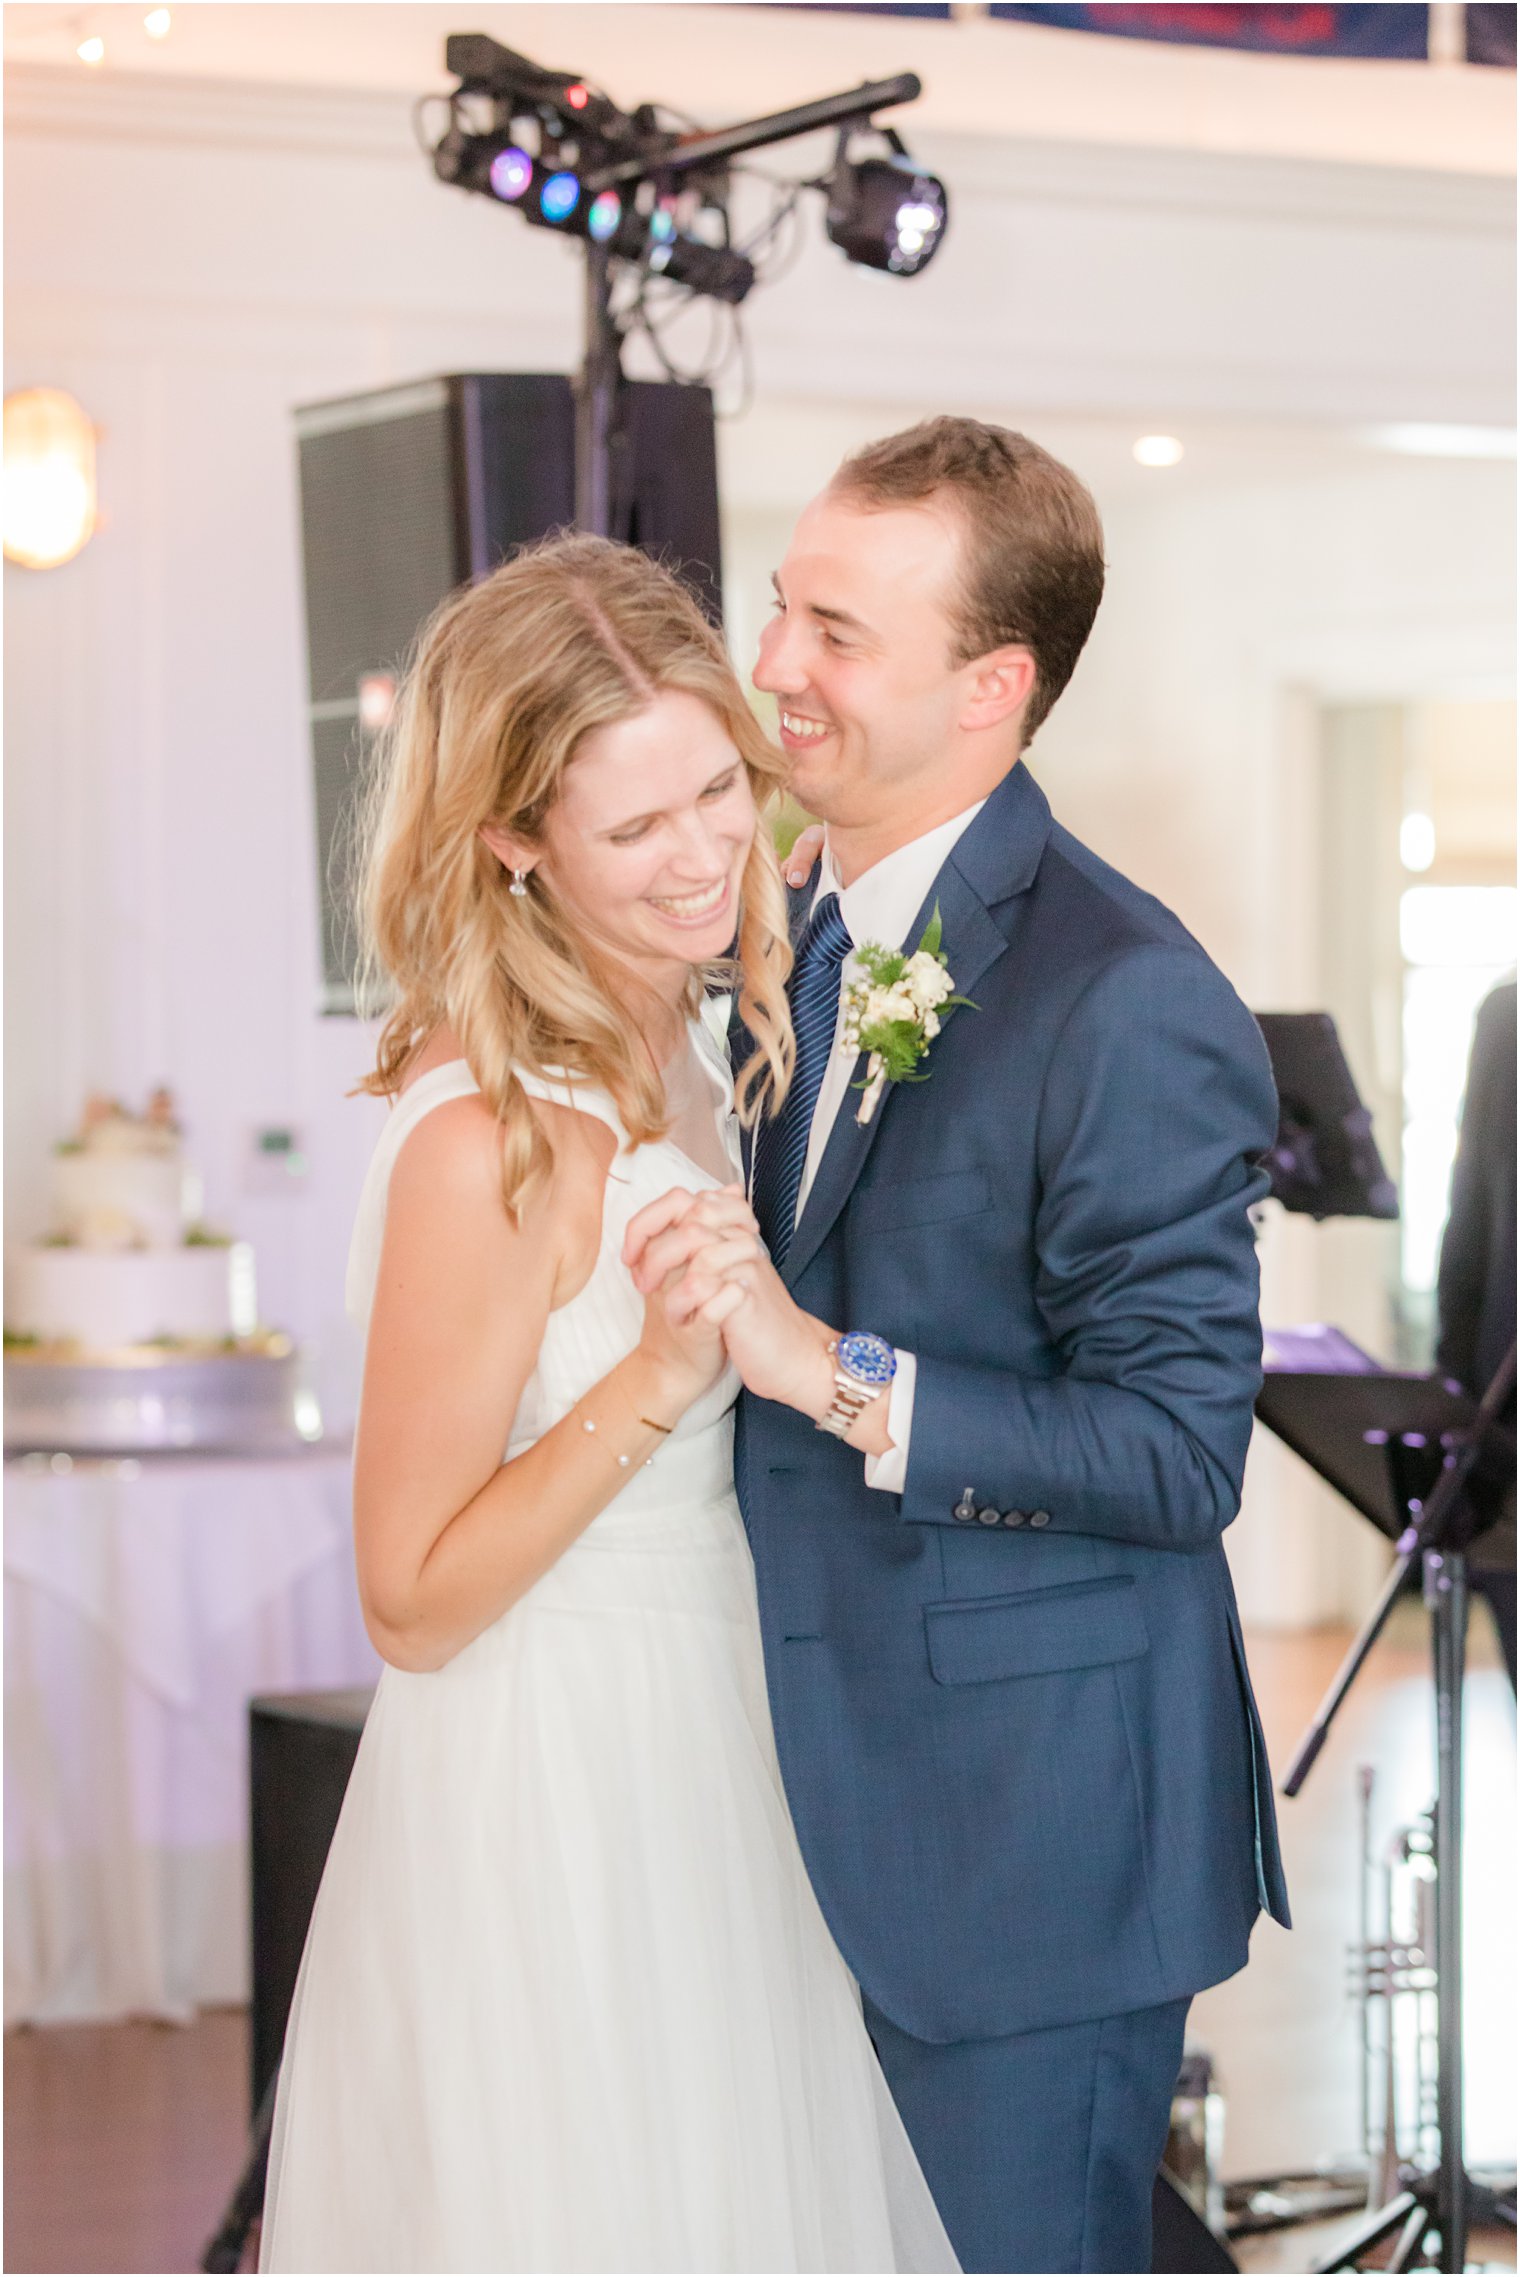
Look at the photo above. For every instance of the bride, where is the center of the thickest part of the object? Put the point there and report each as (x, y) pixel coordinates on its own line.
(568, 2002)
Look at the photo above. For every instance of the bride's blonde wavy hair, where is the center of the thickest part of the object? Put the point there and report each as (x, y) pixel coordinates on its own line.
(507, 677)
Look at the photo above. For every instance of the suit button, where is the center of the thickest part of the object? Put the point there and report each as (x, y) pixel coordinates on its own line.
(1039, 1517)
(965, 1509)
(989, 1517)
(1013, 1517)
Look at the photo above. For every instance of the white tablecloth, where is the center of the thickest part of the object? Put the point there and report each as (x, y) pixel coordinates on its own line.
(145, 1603)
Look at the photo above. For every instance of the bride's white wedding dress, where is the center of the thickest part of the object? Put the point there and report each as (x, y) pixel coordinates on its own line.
(568, 2002)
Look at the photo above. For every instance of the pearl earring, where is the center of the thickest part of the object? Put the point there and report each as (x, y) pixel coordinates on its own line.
(519, 885)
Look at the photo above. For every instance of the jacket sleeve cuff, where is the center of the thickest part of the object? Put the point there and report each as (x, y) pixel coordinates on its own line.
(889, 1472)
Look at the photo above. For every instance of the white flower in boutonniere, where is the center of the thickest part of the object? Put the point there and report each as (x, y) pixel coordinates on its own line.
(895, 1003)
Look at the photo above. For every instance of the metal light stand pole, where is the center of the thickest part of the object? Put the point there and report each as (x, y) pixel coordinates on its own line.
(599, 385)
(597, 392)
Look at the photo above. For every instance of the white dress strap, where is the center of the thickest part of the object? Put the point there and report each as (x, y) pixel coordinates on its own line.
(452, 1080)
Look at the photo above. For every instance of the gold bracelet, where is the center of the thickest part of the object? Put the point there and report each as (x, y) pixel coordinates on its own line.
(625, 1462)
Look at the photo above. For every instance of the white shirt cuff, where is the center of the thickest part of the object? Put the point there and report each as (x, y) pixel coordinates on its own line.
(889, 1472)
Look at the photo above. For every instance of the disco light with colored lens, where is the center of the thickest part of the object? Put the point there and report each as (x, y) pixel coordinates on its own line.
(559, 197)
(606, 212)
(511, 173)
(887, 213)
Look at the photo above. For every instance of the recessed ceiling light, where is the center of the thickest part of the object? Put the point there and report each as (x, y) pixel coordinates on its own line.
(1157, 450)
(92, 50)
(156, 23)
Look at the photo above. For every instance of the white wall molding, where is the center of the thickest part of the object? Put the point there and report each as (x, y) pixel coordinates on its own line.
(52, 103)
(48, 101)
(725, 62)
(1121, 281)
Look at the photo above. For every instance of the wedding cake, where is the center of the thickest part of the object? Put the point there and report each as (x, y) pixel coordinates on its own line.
(132, 1323)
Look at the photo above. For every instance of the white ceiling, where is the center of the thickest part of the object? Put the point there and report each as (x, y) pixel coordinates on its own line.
(733, 60)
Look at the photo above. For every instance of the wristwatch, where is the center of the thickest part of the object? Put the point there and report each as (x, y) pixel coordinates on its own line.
(864, 1365)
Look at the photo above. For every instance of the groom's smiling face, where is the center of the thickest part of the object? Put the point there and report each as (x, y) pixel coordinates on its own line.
(859, 651)
(880, 719)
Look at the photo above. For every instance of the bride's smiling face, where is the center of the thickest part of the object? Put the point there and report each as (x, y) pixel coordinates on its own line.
(647, 841)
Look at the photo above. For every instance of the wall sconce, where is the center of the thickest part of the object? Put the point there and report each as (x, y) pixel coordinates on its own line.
(48, 503)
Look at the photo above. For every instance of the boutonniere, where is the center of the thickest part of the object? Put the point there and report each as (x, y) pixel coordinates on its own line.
(895, 1003)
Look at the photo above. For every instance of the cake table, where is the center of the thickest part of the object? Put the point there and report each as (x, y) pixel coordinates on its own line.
(146, 1601)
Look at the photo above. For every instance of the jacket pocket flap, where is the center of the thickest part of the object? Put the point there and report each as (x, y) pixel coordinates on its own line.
(1087, 1624)
(921, 1201)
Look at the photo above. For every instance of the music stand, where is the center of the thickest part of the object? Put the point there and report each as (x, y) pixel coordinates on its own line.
(1324, 1160)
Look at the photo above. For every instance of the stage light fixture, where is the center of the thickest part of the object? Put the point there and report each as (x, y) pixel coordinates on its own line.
(511, 173)
(602, 221)
(886, 213)
(559, 197)
(649, 198)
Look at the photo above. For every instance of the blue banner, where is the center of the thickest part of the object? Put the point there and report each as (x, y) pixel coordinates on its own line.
(1387, 31)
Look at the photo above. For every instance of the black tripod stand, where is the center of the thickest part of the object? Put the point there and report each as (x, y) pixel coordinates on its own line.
(1429, 1471)
(1401, 1448)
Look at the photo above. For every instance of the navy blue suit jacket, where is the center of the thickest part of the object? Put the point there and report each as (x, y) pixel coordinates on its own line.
(1019, 1745)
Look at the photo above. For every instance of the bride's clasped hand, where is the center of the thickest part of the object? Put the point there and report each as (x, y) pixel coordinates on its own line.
(704, 1252)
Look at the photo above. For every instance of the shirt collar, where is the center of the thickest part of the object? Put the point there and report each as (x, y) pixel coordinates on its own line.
(884, 900)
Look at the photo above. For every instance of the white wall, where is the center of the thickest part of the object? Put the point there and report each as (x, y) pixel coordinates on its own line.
(193, 261)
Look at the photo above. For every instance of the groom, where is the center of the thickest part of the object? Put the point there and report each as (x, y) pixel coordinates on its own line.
(1006, 1669)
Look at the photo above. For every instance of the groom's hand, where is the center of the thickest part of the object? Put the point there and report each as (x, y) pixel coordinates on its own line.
(801, 861)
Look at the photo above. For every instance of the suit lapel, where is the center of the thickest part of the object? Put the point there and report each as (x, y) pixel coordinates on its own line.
(995, 859)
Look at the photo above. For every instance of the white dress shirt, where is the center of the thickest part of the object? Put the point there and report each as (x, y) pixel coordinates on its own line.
(880, 906)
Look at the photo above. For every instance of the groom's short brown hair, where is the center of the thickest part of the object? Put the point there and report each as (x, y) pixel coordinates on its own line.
(1032, 567)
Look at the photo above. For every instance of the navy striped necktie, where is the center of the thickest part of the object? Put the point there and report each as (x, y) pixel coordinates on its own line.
(781, 1144)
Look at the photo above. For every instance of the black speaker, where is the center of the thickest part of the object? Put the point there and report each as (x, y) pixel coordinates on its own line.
(665, 483)
(301, 1749)
(410, 491)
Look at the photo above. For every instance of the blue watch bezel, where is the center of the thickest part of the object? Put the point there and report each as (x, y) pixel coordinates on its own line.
(866, 1358)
